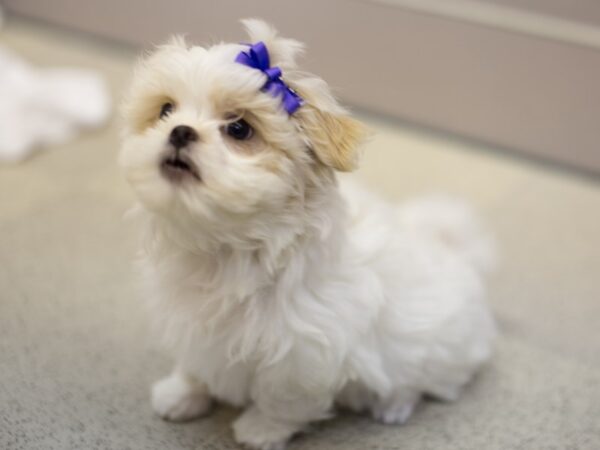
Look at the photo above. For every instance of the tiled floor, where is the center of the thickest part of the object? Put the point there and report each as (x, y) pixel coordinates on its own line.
(75, 361)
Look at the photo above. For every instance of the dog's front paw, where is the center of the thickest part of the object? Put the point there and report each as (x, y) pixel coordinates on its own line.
(394, 415)
(258, 432)
(179, 398)
(395, 410)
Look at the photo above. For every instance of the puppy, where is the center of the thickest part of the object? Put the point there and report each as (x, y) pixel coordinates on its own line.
(279, 289)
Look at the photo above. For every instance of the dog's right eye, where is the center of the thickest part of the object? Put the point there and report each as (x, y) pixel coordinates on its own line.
(240, 130)
(166, 109)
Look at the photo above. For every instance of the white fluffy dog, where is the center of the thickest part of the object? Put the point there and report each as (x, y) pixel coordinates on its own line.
(277, 289)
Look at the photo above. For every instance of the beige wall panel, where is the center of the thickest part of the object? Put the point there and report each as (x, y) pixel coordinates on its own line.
(534, 95)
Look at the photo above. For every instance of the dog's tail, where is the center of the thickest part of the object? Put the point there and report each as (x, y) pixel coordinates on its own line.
(453, 223)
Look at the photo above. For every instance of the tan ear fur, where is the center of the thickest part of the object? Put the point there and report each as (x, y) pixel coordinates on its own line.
(334, 138)
(332, 134)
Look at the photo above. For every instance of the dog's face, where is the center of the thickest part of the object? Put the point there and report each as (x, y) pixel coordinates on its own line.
(202, 141)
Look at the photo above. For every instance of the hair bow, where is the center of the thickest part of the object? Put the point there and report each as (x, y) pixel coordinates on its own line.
(257, 57)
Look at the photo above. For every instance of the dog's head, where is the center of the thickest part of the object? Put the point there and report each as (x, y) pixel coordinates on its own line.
(204, 141)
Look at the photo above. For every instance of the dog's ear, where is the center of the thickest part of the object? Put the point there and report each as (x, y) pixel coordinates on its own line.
(282, 51)
(333, 136)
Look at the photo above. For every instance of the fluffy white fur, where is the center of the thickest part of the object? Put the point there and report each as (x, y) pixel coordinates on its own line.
(278, 288)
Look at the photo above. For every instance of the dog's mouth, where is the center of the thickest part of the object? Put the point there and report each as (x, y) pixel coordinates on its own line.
(178, 166)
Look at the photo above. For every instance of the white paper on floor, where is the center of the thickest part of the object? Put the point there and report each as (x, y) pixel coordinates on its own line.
(39, 107)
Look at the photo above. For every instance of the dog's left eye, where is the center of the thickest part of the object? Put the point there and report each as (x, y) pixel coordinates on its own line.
(239, 130)
(166, 109)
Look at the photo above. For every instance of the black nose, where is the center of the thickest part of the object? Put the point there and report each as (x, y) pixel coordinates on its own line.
(182, 135)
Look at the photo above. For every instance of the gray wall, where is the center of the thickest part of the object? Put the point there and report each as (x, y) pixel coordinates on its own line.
(532, 93)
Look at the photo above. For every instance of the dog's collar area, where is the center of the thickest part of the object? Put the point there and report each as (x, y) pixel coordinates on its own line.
(257, 57)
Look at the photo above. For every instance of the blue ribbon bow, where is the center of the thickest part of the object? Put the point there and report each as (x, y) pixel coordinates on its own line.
(257, 57)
